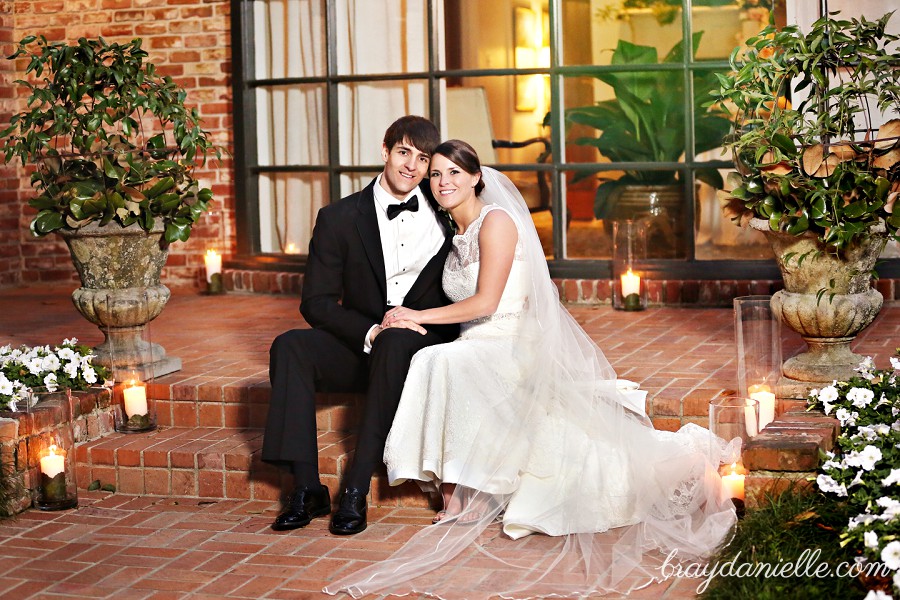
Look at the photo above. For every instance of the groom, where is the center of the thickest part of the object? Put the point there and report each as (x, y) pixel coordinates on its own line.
(382, 247)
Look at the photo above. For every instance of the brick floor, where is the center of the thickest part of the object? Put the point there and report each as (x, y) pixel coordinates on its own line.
(162, 541)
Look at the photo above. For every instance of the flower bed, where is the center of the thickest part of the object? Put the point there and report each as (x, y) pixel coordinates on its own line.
(26, 424)
(865, 470)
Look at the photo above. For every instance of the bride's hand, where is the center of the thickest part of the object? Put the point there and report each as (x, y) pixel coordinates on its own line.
(405, 324)
(401, 313)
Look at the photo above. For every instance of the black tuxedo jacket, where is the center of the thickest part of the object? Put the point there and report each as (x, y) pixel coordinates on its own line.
(344, 287)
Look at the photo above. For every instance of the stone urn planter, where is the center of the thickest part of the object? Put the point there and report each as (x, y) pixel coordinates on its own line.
(121, 293)
(827, 299)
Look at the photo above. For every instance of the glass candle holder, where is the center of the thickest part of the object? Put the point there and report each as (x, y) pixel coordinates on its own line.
(134, 410)
(629, 247)
(734, 419)
(757, 332)
(53, 453)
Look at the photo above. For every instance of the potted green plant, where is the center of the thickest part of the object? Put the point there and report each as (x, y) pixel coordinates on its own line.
(816, 175)
(114, 148)
(645, 123)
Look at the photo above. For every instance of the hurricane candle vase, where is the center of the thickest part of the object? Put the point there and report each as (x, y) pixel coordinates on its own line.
(56, 488)
(733, 420)
(134, 411)
(757, 332)
(629, 248)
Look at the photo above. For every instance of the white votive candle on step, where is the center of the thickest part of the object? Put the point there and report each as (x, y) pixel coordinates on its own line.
(763, 394)
(135, 400)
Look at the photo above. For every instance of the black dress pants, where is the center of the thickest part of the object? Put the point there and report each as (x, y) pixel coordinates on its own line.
(304, 361)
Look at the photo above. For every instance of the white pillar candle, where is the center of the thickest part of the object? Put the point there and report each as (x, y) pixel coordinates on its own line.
(763, 394)
(135, 400)
(733, 484)
(750, 419)
(213, 264)
(631, 283)
(53, 464)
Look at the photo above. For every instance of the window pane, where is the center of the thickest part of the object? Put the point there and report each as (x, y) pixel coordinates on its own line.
(354, 182)
(289, 38)
(586, 235)
(501, 34)
(291, 125)
(288, 203)
(367, 109)
(626, 117)
(389, 36)
(480, 112)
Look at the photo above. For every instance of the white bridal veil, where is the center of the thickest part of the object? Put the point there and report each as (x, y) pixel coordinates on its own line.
(606, 495)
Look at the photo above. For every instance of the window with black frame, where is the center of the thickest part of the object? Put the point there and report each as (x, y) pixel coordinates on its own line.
(597, 109)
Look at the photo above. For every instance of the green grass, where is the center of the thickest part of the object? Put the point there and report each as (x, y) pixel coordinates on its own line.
(794, 523)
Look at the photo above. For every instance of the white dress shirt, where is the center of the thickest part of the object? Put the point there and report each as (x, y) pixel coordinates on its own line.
(408, 242)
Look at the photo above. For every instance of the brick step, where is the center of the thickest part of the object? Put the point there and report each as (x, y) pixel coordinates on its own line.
(218, 463)
(241, 405)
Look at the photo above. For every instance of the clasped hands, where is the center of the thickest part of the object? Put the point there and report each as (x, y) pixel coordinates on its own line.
(400, 317)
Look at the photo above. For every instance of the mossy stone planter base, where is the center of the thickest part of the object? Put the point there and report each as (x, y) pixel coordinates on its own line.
(121, 293)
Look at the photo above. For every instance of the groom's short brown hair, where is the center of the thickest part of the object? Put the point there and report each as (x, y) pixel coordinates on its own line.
(419, 131)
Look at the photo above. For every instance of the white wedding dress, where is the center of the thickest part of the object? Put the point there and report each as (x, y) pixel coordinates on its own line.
(522, 412)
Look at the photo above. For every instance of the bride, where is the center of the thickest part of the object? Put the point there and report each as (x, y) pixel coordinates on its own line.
(520, 420)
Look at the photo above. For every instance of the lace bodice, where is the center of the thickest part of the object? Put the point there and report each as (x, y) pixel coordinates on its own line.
(460, 279)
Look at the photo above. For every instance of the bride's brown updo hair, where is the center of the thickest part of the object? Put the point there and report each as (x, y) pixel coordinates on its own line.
(464, 156)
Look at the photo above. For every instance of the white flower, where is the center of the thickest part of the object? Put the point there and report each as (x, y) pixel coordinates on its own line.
(865, 459)
(866, 432)
(6, 386)
(34, 365)
(89, 374)
(70, 342)
(895, 363)
(67, 354)
(856, 480)
(877, 595)
(881, 428)
(890, 555)
(828, 394)
(51, 362)
(846, 417)
(860, 397)
(50, 382)
(870, 539)
(827, 484)
(892, 478)
(891, 507)
(71, 369)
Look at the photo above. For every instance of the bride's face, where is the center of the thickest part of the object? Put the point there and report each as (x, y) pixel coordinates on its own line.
(451, 185)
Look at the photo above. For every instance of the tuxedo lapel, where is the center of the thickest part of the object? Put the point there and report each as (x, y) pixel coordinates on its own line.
(367, 225)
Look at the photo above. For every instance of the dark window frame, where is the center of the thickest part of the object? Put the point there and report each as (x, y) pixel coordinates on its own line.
(247, 168)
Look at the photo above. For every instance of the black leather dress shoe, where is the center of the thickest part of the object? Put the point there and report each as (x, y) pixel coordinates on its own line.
(350, 516)
(302, 505)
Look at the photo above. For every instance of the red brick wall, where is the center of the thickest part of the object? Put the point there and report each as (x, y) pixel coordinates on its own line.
(187, 39)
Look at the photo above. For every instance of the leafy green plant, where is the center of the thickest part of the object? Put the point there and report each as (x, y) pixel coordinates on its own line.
(110, 138)
(819, 166)
(645, 120)
(797, 527)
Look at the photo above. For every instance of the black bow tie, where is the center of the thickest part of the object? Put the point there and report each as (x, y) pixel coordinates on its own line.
(412, 205)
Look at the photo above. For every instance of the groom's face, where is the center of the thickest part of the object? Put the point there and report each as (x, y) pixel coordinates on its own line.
(404, 168)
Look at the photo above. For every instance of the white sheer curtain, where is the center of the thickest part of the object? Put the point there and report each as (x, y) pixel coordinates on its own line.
(373, 38)
(289, 39)
(384, 37)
